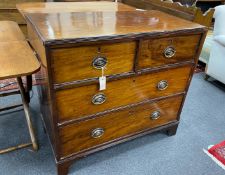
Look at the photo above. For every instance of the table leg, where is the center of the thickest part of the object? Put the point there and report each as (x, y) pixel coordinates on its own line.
(3, 151)
(27, 113)
(29, 87)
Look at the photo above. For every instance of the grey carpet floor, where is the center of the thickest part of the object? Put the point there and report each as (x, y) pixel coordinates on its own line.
(202, 124)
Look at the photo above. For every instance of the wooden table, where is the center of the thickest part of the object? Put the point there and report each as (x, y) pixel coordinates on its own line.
(17, 60)
(10, 31)
(12, 42)
(149, 57)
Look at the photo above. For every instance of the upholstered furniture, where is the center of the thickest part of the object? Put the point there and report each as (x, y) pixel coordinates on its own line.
(205, 54)
(216, 64)
(17, 60)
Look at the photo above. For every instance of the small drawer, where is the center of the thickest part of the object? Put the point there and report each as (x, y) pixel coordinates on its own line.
(91, 133)
(75, 103)
(163, 51)
(78, 63)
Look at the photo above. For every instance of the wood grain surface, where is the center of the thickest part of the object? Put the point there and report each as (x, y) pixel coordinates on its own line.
(11, 15)
(12, 3)
(60, 7)
(10, 31)
(71, 27)
(130, 39)
(77, 137)
(120, 58)
(37, 44)
(152, 51)
(76, 103)
(17, 59)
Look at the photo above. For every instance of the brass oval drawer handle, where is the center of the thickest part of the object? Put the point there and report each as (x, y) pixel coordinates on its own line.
(98, 99)
(99, 62)
(98, 132)
(162, 85)
(155, 115)
(169, 52)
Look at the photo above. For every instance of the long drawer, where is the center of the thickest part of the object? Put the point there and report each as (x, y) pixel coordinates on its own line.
(78, 102)
(78, 63)
(162, 51)
(94, 132)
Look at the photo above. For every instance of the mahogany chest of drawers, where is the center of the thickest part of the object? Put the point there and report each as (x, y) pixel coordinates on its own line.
(147, 57)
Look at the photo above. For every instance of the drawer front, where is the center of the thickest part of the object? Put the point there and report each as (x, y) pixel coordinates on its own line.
(77, 102)
(162, 51)
(91, 133)
(70, 64)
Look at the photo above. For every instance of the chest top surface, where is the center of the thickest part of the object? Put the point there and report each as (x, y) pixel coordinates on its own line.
(54, 7)
(101, 25)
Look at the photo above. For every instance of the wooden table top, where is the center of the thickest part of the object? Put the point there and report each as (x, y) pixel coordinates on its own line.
(59, 7)
(84, 26)
(16, 57)
(10, 31)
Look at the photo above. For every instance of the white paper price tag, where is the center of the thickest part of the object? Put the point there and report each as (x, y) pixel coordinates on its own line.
(102, 83)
